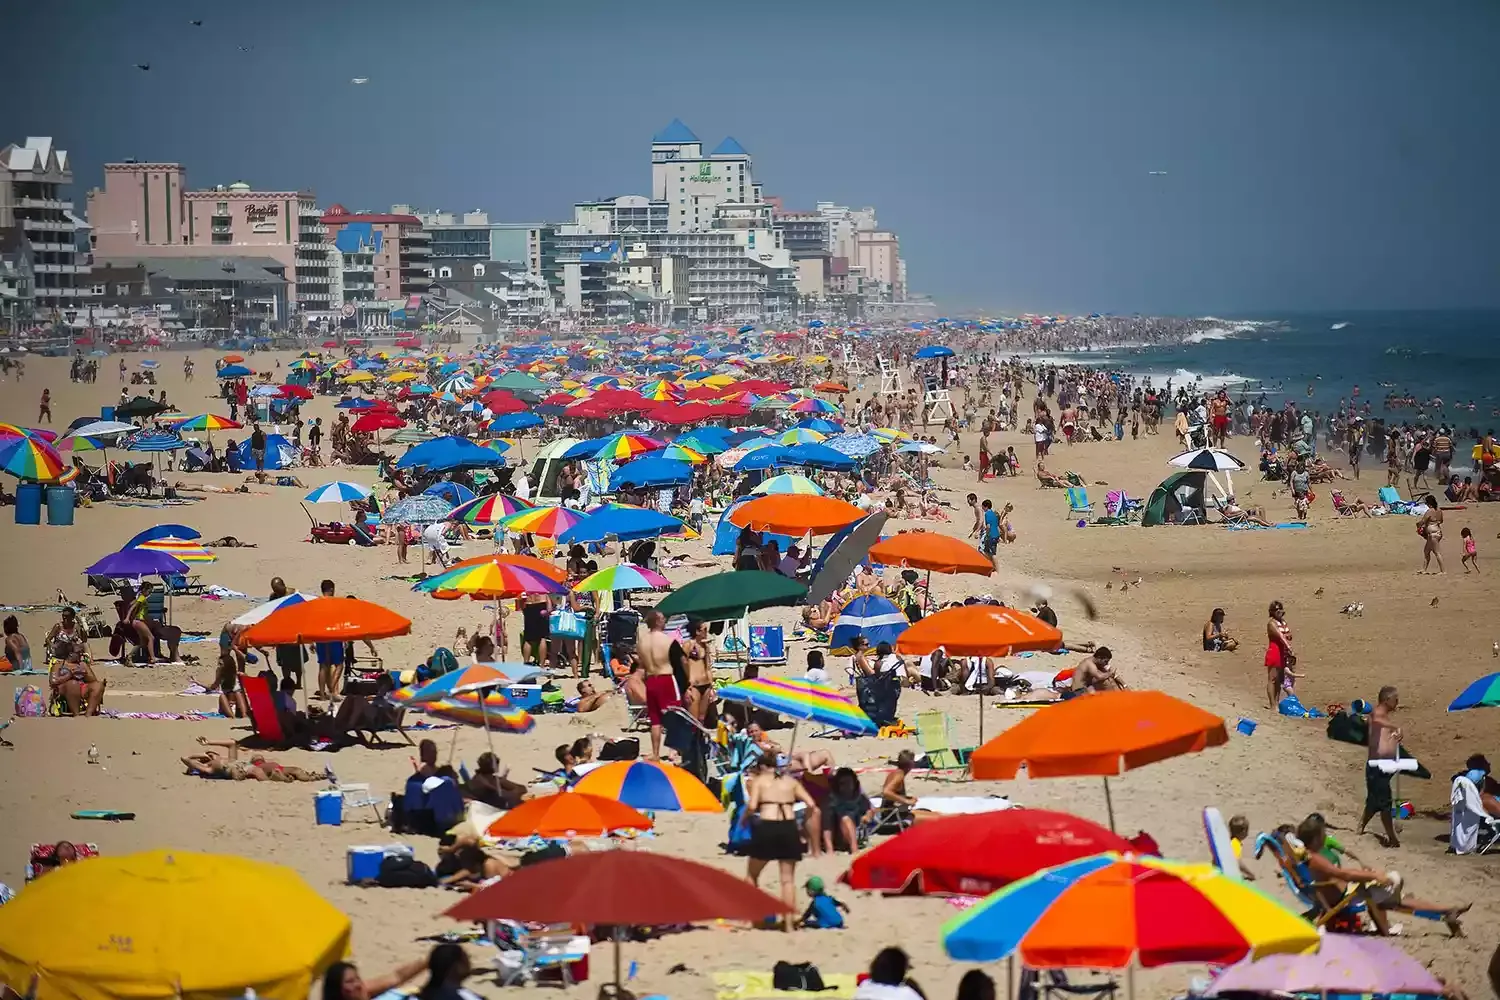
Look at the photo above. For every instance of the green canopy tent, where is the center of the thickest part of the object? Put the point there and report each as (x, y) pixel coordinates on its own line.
(1179, 492)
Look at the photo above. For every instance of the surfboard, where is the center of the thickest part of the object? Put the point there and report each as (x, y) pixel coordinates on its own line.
(1218, 843)
(111, 814)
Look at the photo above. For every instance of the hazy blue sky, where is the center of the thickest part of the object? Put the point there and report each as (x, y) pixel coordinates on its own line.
(1319, 154)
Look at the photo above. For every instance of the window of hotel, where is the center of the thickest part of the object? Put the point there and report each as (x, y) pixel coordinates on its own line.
(99, 289)
(121, 289)
(478, 270)
(445, 272)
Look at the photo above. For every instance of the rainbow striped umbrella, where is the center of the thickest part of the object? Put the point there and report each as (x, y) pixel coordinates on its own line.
(489, 509)
(789, 482)
(649, 784)
(660, 390)
(623, 576)
(1108, 910)
(625, 445)
(813, 404)
(801, 700)
(14, 430)
(30, 458)
(208, 422)
(491, 578)
(186, 550)
(549, 522)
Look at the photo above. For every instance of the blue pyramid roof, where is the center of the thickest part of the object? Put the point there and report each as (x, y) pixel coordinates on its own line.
(675, 132)
(729, 147)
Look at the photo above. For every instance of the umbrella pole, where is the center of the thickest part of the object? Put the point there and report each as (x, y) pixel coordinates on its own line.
(615, 933)
(1010, 976)
(484, 713)
(1109, 804)
(453, 746)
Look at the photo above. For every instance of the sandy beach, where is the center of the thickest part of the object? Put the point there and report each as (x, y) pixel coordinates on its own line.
(1427, 634)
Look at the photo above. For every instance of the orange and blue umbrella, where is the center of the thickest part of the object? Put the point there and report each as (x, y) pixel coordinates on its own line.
(1483, 693)
(801, 700)
(549, 522)
(488, 509)
(623, 576)
(649, 785)
(1109, 910)
(475, 677)
(32, 458)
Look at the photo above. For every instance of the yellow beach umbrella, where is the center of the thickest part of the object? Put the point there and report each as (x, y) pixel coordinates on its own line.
(359, 377)
(133, 927)
(399, 377)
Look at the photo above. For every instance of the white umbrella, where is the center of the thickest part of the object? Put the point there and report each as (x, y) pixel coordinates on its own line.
(102, 428)
(1210, 460)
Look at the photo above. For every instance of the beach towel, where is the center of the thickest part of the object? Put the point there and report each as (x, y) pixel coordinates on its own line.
(1468, 816)
(961, 805)
(746, 985)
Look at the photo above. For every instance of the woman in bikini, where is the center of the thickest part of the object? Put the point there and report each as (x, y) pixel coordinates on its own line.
(1279, 655)
(210, 765)
(771, 802)
(1430, 527)
(700, 670)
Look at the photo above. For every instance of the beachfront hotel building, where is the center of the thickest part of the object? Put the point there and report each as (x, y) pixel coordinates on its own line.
(146, 210)
(472, 236)
(384, 262)
(47, 277)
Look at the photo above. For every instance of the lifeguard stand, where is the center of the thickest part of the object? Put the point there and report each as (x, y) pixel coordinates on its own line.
(890, 378)
(854, 365)
(936, 401)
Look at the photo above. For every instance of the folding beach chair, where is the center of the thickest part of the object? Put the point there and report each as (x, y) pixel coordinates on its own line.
(530, 956)
(1346, 915)
(263, 717)
(357, 795)
(935, 736)
(1078, 501)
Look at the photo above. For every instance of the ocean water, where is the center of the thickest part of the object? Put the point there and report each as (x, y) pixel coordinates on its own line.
(1454, 355)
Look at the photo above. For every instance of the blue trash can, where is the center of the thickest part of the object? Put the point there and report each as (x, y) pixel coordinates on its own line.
(61, 501)
(29, 503)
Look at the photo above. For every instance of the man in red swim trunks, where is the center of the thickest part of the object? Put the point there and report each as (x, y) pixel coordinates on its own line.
(653, 648)
(1218, 418)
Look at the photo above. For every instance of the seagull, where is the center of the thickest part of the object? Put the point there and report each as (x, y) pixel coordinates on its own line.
(196, 24)
(1157, 173)
(246, 48)
(1434, 603)
(143, 66)
(1318, 592)
(360, 79)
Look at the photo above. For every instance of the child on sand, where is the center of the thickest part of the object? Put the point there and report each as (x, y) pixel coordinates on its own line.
(822, 909)
(1239, 832)
(1471, 551)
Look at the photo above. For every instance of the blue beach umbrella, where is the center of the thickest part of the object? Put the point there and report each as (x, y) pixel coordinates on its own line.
(653, 470)
(622, 523)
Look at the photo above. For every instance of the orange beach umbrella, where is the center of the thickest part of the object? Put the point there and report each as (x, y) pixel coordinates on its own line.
(979, 630)
(568, 815)
(931, 551)
(328, 619)
(795, 514)
(1105, 733)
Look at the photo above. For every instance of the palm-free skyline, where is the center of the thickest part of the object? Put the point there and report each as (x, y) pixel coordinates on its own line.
(1155, 156)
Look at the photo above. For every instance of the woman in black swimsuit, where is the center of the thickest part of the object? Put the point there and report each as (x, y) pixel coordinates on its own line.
(771, 799)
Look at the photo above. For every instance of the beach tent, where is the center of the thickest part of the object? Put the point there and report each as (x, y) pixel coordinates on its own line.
(546, 465)
(1180, 491)
(280, 453)
(726, 534)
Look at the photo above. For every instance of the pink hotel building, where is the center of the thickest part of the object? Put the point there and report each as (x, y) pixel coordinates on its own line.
(145, 210)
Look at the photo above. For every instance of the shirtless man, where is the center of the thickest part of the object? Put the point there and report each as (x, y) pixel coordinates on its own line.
(654, 648)
(1384, 744)
(1218, 419)
(590, 700)
(1095, 674)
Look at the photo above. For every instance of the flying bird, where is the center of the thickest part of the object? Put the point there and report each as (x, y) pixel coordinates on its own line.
(246, 48)
(360, 79)
(143, 66)
(196, 24)
(1157, 173)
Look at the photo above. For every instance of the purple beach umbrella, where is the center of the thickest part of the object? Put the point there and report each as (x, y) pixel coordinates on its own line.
(1343, 963)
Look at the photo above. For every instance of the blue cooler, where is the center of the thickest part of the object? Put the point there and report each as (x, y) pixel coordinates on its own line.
(61, 500)
(328, 807)
(28, 503)
(363, 862)
(106, 413)
(527, 696)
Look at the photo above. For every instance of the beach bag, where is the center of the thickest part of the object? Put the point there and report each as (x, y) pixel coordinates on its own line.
(796, 976)
(398, 871)
(566, 624)
(29, 702)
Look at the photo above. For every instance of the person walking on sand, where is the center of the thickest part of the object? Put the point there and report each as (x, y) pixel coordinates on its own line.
(771, 798)
(1279, 655)
(1471, 550)
(654, 648)
(1430, 527)
(44, 409)
(1384, 744)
